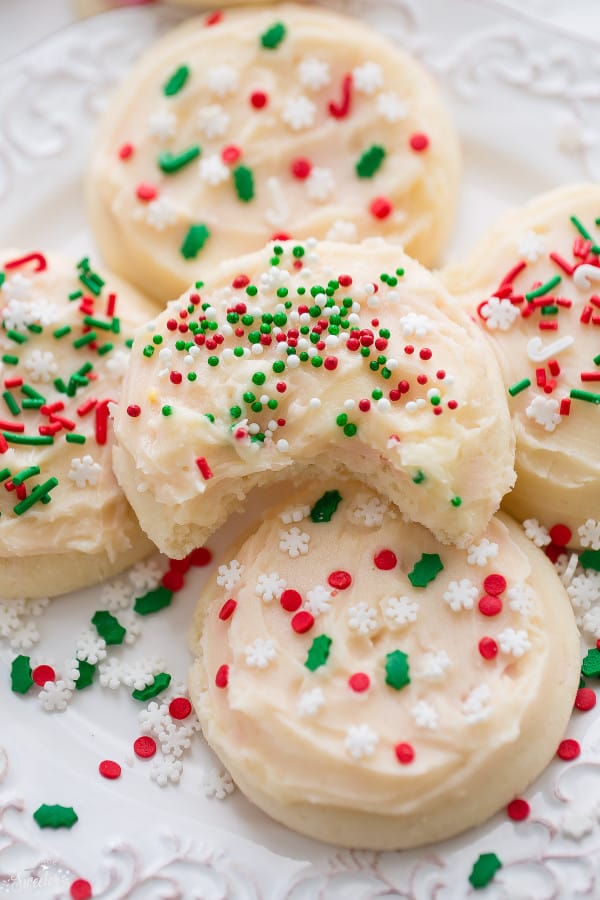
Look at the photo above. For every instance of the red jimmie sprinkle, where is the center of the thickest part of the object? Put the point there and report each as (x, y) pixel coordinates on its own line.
(180, 708)
(380, 207)
(222, 676)
(490, 606)
(301, 168)
(228, 609)
(173, 580)
(205, 469)
(110, 769)
(133, 410)
(518, 809)
(80, 889)
(568, 749)
(385, 559)
(146, 192)
(144, 746)
(102, 422)
(404, 753)
(585, 699)
(42, 674)
(359, 682)
(213, 18)
(125, 151)
(340, 580)
(290, 600)
(230, 154)
(258, 99)
(488, 647)
(494, 584)
(302, 622)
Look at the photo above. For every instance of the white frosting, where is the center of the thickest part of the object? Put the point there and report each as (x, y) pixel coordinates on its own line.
(390, 101)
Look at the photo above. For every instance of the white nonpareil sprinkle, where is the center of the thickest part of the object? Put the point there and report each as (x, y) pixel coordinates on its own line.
(425, 715)
(589, 534)
(213, 120)
(213, 170)
(229, 575)
(530, 246)
(163, 124)
(320, 184)
(368, 77)
(536, 532)
(391, 107)
(318, 600)
(161, 213)
(435, 665)
(41, 366)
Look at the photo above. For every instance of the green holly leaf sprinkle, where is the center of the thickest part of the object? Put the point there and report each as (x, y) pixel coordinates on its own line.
(426, 570)
(484, 870)
(591, 664)
(397, 671)
(370, 161)
(108, 627)
(273, 36)
(86, 674)
(590, 559)
(176, 81)
(244, 183)
(153, 601)
(194, 241)
(160, 683)
(325, 506)
(20, 675)
(55, 816)
(318, 653)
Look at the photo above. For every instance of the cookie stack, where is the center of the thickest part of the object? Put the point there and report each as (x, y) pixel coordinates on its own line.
(383, 660)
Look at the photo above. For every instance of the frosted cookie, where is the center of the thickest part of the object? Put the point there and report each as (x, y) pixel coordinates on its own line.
(533, 285)
(367, 686)
(306, 358)
(64, 522)
(288, 120)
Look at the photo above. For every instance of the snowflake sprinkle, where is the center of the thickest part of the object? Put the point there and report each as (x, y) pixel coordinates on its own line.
(294, 542)
(360, 741)
(363, 618)
(460, 594)
(260, 653)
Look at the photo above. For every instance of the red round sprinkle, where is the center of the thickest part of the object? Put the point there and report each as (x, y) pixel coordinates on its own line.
(408, 349)
(380, 207)
(488, 647)
(422, 379)
(200, 557)
(222, 676)
(359, 682)
(42, 674)
(180, 565)
(144, 746)
(345, 280)
(291, 600)
(227, 609)
(133, 410)
(418, 141)
(258, 99)
(180, 708)
(281, 386)
(302, 622)
(146, 192)
(364, 405)
(585, 699)
(109, 769)
(80, 889)
(490, 606)
(175, 377)
(494, 584)
(330, 363)
(173, 581)
(301, 168)
(404, 753)
(385, 559)
(452, 404)
(125, 151)
(230, 154)
(518, 809)
(425, 353)
(340, 580)
(560, 535)
(240, 281)
(568, 749)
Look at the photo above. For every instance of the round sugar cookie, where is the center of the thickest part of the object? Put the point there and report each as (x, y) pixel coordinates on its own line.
(306, 358)
(367, 686)
(288, 120)
(533, 285)
(64, 522)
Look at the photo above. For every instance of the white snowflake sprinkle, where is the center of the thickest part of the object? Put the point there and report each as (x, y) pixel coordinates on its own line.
(213, 121)
(217, 783)
(55, 696)
(116, 595)
(536, 532)
(499, 314)
(480, 554)
(132, 622)
(222, 79)
(41, 365)
(531, 246)
(9, 619)
(360, 741)
(460, 594)
(425, 715)
(117, 363)
(213, 170)
(520, 597)
(166, 769)
(229, 575)
(589, 534)
(313, 73)
(516, 643)
(310, 702)
(342, 230)
(270, 587)
(260, 653)
(544, 411)
(90, 647)
(367, 78)
(140, 673)
(163, 124)
(415, 324)
(110, 673)
(399, 611)
(294, 542)
(591, 622)
(367, 510)
(176, 739)
(17, 315)
(363, 618)
(391, 107)
(318, 600)
(476, 707)
(161, 213)
(299, 113)
(320, 184)
(434, 665)
(84, 471)
(584, 590)
(155, 718)
(146, 574)
(25, 636)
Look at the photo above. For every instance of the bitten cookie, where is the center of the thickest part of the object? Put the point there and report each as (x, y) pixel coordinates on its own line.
(306, 358)
(288, 120)
(64, 522)
(533, 285)
(366, 686)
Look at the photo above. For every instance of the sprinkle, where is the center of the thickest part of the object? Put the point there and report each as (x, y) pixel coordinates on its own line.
(180, 708)
(108, 627)
(339, 580)
(228, 609)
(380, 207)
(385, 560)
(153, 601)
(258, 99)
(568, 749)
(205, 469)
(370, 161)
(590, 666)
(37, 494)
(273, 36)
(484, 869)
(38, 259)
(340, 110)
(518, 809)
(160, 683)
(397, 671)
(244, 183)
(80, 889)
(172, 162)
(581, 228)
(222, 676)
(359, 682)
(194, 241)
(290, 600)
(144, 747)
(55, 816)
(176, 81)
(488, 648)
(42, 674)
(318, 653)
(86, 674)
(425, 570)
(418, 142)
(544, 288)
(109, 769)
(325, 506)
(587, 396)
(102, 422)
(302, 622)
(519, 386)
(404, 753)
(20, 675)
(585, 699)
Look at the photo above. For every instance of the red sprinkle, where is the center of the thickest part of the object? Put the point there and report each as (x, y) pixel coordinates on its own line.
(146, 192)
(144, 746)
(180, 708)
(80, 889)
(180, 565)
(291, 600)
(418, 142)
(404, 753)
(340, 110)
(518, 809)
(490, 606)
(302, 622)
(560, 535)
(240, 281)
(201, 556)
(125, 151)
(380, 207)
(228, 609)
(258, 99)
(345, 280)
(230, 154)
(42, 674)
(340, 580)
(330, 363)
(364, 405)
(133, 410)
(488, 647)
(301, 168)
(385, 559)
(109, 769)
(568, 749)
(585, 699)
(359, 682)
(494, 584)
(172, 580)
(222, 676)
(205, 469)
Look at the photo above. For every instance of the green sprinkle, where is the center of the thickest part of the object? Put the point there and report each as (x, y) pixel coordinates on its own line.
(376, 394)
(97, 323)
(419, 478)
(16, 336)
(11, 403)
(169, 163)
(31, 392)
(235, 412)
(316, 361)
(194, 241)
(55, 816)
(350, 429)
(544, 288)
(590, 559)
(597, 360)
(581, 229)
(213, 361)
(370, 161)
(397, 671)
(519, 386)
(4, 474)
(75, 295)
(273, 36)
(456, 501)
(318, 653)
(85, 339)
(148, 351)
(325, 506)
(86, 674)
(425, 570)
(484, 870)
(590, 666)
(9, 359)
(259, 378)
(30, 440)
(20, 675)
(153, 601)
(167, 410)
(105, 348)
(243, 180)
(108, 627)
(252, 290)
(161, 682)
(588, 396)
(24, 474)
(549, 310)
(176, 81)
(278, 366)
(72, 438)
(38, 493)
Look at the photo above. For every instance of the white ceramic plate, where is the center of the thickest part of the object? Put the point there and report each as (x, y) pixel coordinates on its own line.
(527, 102)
